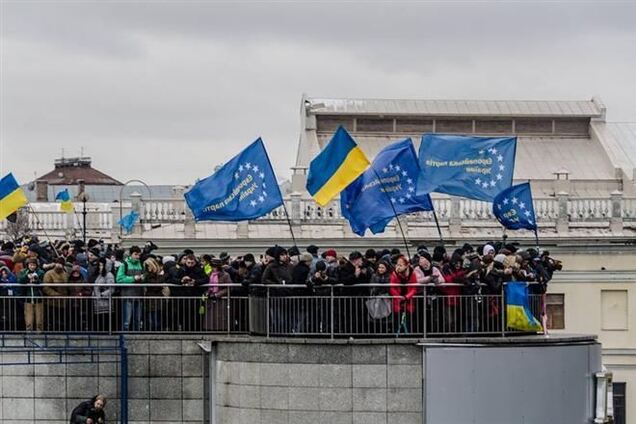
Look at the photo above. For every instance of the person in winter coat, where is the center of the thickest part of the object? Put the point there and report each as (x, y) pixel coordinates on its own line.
(154, 307)
(354, 272)
(382, 278)
(278, 271)
(33, 306)
(454, 276)
(90, 411)
(431, 276)
(216, 304)
(402, 290)
(102, 295)
(56, 308)
(131, 273)
(190, 309)
(9, 306)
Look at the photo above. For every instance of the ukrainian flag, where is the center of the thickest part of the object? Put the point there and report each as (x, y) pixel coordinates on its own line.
(335, 167)
(12, 197)
(518, 312)
(66, 205)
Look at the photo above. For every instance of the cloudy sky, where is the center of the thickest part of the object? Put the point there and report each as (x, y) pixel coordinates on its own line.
(164, 91)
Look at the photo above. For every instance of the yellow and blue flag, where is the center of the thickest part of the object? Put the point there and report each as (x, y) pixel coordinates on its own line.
(466, 166)
(65, 201)
(384, 190)
(337, 166)
(518, 315)
(513, 208)
(12, 197)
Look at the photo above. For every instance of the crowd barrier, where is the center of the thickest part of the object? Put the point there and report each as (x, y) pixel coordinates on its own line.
(267, 310)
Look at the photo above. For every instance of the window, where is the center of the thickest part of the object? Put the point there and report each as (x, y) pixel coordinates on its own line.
(554, 305)
(619, 403)
(614, 309)
(330, 123)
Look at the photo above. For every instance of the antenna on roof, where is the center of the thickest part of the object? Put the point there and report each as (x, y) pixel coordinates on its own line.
(62, 152)
(81, 151)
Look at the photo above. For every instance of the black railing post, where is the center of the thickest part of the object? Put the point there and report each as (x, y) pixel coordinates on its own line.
(331, 312)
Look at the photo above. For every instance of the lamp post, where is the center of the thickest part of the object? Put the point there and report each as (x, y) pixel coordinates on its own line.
(83, 197)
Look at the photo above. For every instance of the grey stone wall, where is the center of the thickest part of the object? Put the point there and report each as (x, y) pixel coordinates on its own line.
(299, 383)
(166, 381)
(258, 381)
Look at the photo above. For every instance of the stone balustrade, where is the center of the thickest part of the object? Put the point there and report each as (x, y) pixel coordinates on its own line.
(561, 212)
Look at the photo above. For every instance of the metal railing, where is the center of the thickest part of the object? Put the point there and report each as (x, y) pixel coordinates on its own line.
(287, 310)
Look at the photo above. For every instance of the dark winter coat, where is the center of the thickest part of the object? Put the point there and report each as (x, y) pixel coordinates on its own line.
(199, 278)
(87, 410)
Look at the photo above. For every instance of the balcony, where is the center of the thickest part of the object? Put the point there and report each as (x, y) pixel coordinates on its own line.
(559, 216)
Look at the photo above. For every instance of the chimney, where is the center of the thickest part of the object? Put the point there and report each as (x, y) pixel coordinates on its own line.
(41, 191)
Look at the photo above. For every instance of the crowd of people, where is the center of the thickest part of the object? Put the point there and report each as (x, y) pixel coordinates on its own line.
(137, 289)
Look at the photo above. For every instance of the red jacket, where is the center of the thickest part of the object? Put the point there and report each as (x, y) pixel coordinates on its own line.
(398, 287)
(451, 292)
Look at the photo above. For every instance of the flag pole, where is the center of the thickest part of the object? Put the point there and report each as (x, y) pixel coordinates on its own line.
(291, 230)
(439, 230)
(30, 208)
(280, 194)
(406, 244)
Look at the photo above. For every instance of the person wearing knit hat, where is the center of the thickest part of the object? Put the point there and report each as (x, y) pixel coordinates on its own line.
(371, 256)
(249, 258)
(33, 306)
(355, 255)
(488, 250)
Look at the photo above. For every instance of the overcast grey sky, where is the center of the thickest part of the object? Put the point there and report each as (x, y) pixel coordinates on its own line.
(164, 91)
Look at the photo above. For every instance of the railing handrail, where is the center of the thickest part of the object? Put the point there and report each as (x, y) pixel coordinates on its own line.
(230, 285)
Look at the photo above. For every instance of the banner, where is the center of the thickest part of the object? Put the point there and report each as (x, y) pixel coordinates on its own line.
(472, 167)
(244, 188)
(387, 188)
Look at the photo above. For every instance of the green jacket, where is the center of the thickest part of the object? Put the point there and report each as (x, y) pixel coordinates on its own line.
(32, 292)
(126, 275)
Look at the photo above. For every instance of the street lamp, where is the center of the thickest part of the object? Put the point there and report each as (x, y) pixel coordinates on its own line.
(83, 197)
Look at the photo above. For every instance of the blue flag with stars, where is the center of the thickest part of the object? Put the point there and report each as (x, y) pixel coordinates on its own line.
(513, 208)
(242, 189)
(388, 184)
(472, 167)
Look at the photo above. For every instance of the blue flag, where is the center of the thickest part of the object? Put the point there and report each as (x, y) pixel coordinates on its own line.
(128, 221)
(472, 167)
(390, 183)
(244, 188)
(513, 208)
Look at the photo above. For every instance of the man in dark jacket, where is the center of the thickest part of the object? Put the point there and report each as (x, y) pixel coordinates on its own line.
(278, 271)
(90, 411)
(192, 279)
(352, 273)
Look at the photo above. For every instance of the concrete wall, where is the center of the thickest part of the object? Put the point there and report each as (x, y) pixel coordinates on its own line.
(288, 381)
(317, 383)
(613, 322)
(166, 382)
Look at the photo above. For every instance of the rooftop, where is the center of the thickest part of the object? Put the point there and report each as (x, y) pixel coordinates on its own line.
(519, 108)
(70, 171)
